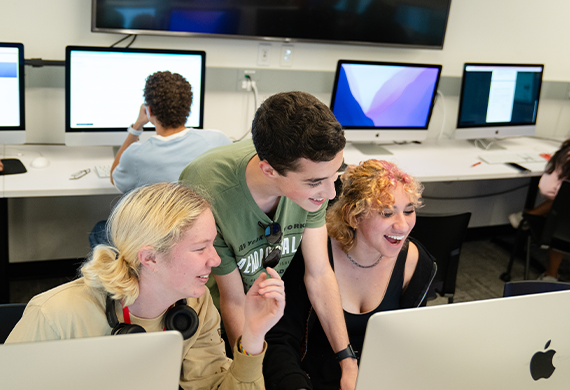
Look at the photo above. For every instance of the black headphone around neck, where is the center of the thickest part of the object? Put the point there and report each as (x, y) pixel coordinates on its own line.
(180, 317)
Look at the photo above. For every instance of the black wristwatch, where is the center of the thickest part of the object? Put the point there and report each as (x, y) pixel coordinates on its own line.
(348, 352)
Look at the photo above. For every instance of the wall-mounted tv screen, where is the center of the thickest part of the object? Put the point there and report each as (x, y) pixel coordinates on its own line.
(410, 23)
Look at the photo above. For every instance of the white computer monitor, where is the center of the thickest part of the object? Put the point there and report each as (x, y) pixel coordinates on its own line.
(12, 101)
(104, 90)
(518, 343)
(498, 100)
(142, 361)
(382, 102)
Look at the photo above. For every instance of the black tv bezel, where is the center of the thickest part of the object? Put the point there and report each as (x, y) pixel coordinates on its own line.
(497, 124)
(402, 64)
(22, 85)
(69, 49)
(269, 39)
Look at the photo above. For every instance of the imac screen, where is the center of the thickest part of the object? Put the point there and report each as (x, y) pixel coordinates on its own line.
(104, 86)
(12, 86)
(376, 97)
(498, 100)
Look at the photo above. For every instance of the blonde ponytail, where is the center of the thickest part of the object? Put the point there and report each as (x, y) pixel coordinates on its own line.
(158, 216)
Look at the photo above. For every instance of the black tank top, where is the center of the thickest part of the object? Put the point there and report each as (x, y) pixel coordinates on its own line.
(319, 361)
(356, 323)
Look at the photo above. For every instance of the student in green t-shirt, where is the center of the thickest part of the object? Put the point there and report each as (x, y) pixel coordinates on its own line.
(268, 194)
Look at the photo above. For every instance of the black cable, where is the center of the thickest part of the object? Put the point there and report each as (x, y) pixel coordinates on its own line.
(121, 40)
(134, 39)
(38, 62)
(477, 196)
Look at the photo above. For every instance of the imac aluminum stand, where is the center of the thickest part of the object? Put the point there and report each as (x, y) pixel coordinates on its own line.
(371, 149)
(487, 144)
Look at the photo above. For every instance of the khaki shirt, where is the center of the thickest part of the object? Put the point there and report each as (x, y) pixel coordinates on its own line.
(75, 310)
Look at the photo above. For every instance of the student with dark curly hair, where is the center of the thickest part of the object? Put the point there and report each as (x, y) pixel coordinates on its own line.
(168, 97)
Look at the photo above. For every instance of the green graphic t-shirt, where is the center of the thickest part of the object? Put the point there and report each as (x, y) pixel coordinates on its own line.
(219, 174)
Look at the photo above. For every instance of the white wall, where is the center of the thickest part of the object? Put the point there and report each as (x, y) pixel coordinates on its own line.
(522, 31)
(483, 30)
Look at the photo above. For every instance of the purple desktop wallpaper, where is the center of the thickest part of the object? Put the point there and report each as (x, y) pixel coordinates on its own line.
(384, 96)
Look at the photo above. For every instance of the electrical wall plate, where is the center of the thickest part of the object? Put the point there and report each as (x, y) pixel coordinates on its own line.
(264, 54)
(286, 56)
(243, 75)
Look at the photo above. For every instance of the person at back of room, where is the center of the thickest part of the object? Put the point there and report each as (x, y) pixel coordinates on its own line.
(267, 194)
(379, 267)
(557, 170)
(167, 102)
(154, 278)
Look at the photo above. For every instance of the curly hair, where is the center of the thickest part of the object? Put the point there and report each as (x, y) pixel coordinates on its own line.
(289, 126)
(367, 187)
(169, 96)
(157, 215)
(560, 161)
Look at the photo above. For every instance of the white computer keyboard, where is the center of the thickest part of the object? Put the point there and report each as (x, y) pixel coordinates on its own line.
(103, 171)
(502, 158)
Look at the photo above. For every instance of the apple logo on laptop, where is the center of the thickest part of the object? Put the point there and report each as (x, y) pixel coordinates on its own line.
(541, 363)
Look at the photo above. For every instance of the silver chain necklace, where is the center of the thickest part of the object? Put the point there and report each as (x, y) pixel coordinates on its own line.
(364, 266)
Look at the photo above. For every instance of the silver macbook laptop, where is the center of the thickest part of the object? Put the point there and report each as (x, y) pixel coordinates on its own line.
(143, 361)
(507, 343)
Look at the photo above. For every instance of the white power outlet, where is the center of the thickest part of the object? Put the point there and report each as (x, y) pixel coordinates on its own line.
(244, 82)
(264, 54)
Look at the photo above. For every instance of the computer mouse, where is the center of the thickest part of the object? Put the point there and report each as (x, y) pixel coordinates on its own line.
(40, 162)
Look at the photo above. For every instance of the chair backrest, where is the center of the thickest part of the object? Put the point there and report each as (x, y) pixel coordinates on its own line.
(10, 314)
(443, 235)
(557, 226)
(525, 287)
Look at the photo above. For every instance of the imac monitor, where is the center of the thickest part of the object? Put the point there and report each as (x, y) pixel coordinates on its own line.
(381, 102)
(142, 361)
(12, 102)
(498, 100)
(12, 112)
(518, 343)
(104, 90)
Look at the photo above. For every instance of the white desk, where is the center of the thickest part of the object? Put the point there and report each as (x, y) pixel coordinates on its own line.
(452, 160)
(54, 179)
(431, 161)
(50, 181)
(445, 160)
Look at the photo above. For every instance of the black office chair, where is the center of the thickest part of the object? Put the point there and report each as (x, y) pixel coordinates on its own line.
(10, 314)
(551, 230)
(524, 287)
(443, 235)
